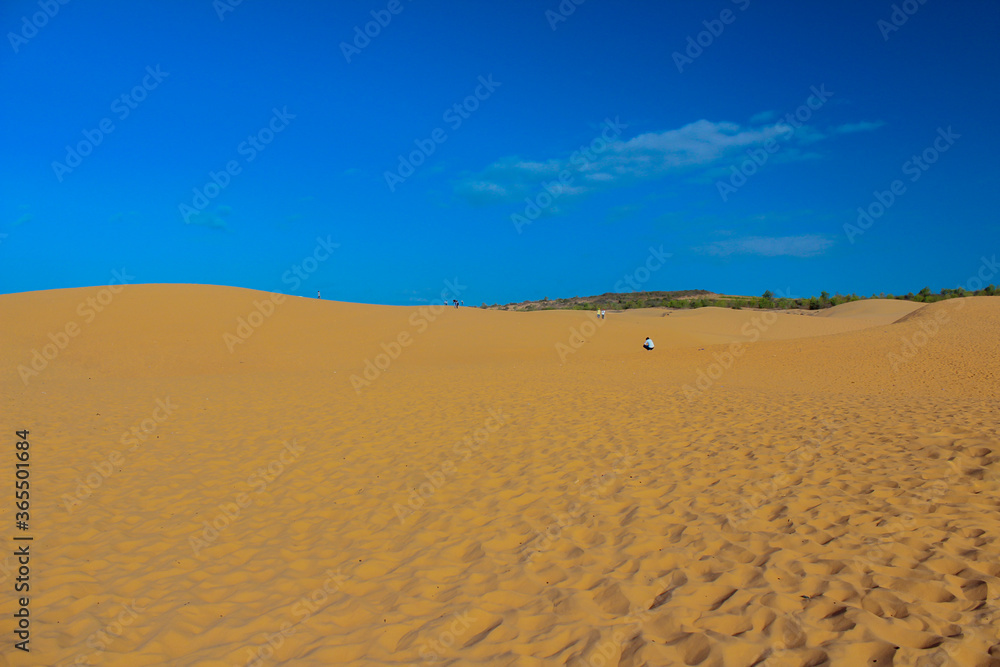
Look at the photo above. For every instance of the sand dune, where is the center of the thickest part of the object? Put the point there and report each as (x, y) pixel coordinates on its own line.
(714, 325)
(882, 311)
(331, 483)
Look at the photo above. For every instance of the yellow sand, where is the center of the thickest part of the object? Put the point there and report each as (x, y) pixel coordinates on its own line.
(513, 489)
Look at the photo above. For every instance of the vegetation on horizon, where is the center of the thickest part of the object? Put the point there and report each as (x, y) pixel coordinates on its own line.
(704, 298)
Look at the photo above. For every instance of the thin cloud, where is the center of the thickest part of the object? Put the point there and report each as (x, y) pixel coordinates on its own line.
(21, 220)
(763, 117)
(697, 146)
(211, 219)
(807, 245)
(863, 126)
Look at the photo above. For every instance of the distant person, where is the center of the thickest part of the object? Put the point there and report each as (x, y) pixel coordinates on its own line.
(317, 295)
(603, 313)
(648, 345)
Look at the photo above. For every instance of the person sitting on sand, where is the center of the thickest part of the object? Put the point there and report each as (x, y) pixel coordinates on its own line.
(648, 345)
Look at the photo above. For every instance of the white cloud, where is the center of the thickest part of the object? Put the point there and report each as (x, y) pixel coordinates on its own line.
(650, 155)
(697, 150)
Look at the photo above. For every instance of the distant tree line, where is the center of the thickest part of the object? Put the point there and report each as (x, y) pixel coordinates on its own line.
(767, 300)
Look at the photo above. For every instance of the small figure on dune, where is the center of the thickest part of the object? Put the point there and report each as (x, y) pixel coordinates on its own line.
(648, 345)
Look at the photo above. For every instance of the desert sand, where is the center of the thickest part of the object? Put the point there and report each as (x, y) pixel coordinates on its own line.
(501, 488)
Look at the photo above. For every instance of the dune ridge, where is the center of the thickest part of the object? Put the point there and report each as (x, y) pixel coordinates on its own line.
(506, 488)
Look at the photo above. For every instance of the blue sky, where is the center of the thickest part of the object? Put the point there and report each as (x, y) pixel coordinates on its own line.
(627, 127)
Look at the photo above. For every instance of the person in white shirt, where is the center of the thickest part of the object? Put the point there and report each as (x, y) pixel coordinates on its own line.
(648, 345)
